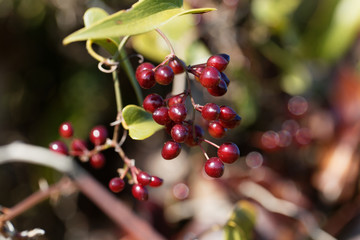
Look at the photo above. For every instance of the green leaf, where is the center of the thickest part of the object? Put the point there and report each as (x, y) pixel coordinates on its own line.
(241, 223)
(139, 122)
(93, 15)
(143, 16)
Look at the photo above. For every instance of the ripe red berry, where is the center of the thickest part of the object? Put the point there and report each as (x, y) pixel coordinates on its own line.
(216, 130)
(146, 78)
(155, 181)
(177, 65)
(98, 135)
(192, 140)
(175, 100)
(218, 62)
(227, 113)
(78, 146)
(140, 192)
(152, 102)
(143, 66)
(214, 167)
(164, 75)
(97, 160)
(170, 150)
(66, 130)
(59, 147)
(228, 152)
(143, 178)
(177, 112)
(210, 111)
(116, 184)
(210, 77)
(231, 124)
(179, 133)
(197, 70)
(218, 90)
(161, 116)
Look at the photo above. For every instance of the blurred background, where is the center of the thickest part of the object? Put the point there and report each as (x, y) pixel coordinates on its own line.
(295, 81)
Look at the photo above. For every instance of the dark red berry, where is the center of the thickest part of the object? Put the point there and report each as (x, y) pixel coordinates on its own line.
(143, 178)
(177, 65)
(169, 126)
(210, 77)
(216, 130)
(164, 75)
(231, 124)
(210, 111)
(197, 70)
(178, 112)
(179, 133)
(227, 113)
(155, 181)
(146, 78)
(161, 116)
(214, 167)
(218, 62)
(78, 146)
(116, 184)
(175, 100)
(218, 90)
(194, 139)
(152, 102)
(140, 192)
(170, 150)
(97, 160)
(228, 152)
(225, 78)
(98, 135)
(59, 147)
(66, 130)
(143, 66)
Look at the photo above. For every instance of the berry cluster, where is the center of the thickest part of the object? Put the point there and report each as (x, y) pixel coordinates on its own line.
(98, 136)
(173, 113)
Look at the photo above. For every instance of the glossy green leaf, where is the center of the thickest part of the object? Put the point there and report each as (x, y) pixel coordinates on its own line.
(93, 15)
(142, 17)
(241, 223)
(139, 122)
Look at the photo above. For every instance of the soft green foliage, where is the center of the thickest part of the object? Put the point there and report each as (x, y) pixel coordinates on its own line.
(139, 122)
(241, 223)
(142, 17)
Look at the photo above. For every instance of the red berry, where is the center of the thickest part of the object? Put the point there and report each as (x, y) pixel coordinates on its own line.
(140, 192)
(218, 90)
(146, 78)
(216, 130)
(78, 146)
(161, 116)
(227, 113)
(66, 130)
(197, 71)
(214, 167)
(210, 77)
(179, 133)
(178, 112)
(192, 140)
(116, 184)
(210, 111)
(152, 102)
(98, 135)
(170, 150)
(143, 178)
(231, 124)
(155, 181)
(59, 147)
(177, 65)
(164, 75)
(175, 100)
(97, 160)
(228, 152)
(143, 66)
(218, 62)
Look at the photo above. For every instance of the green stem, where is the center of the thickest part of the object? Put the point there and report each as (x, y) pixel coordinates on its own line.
(125, 64)
(117, 90)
